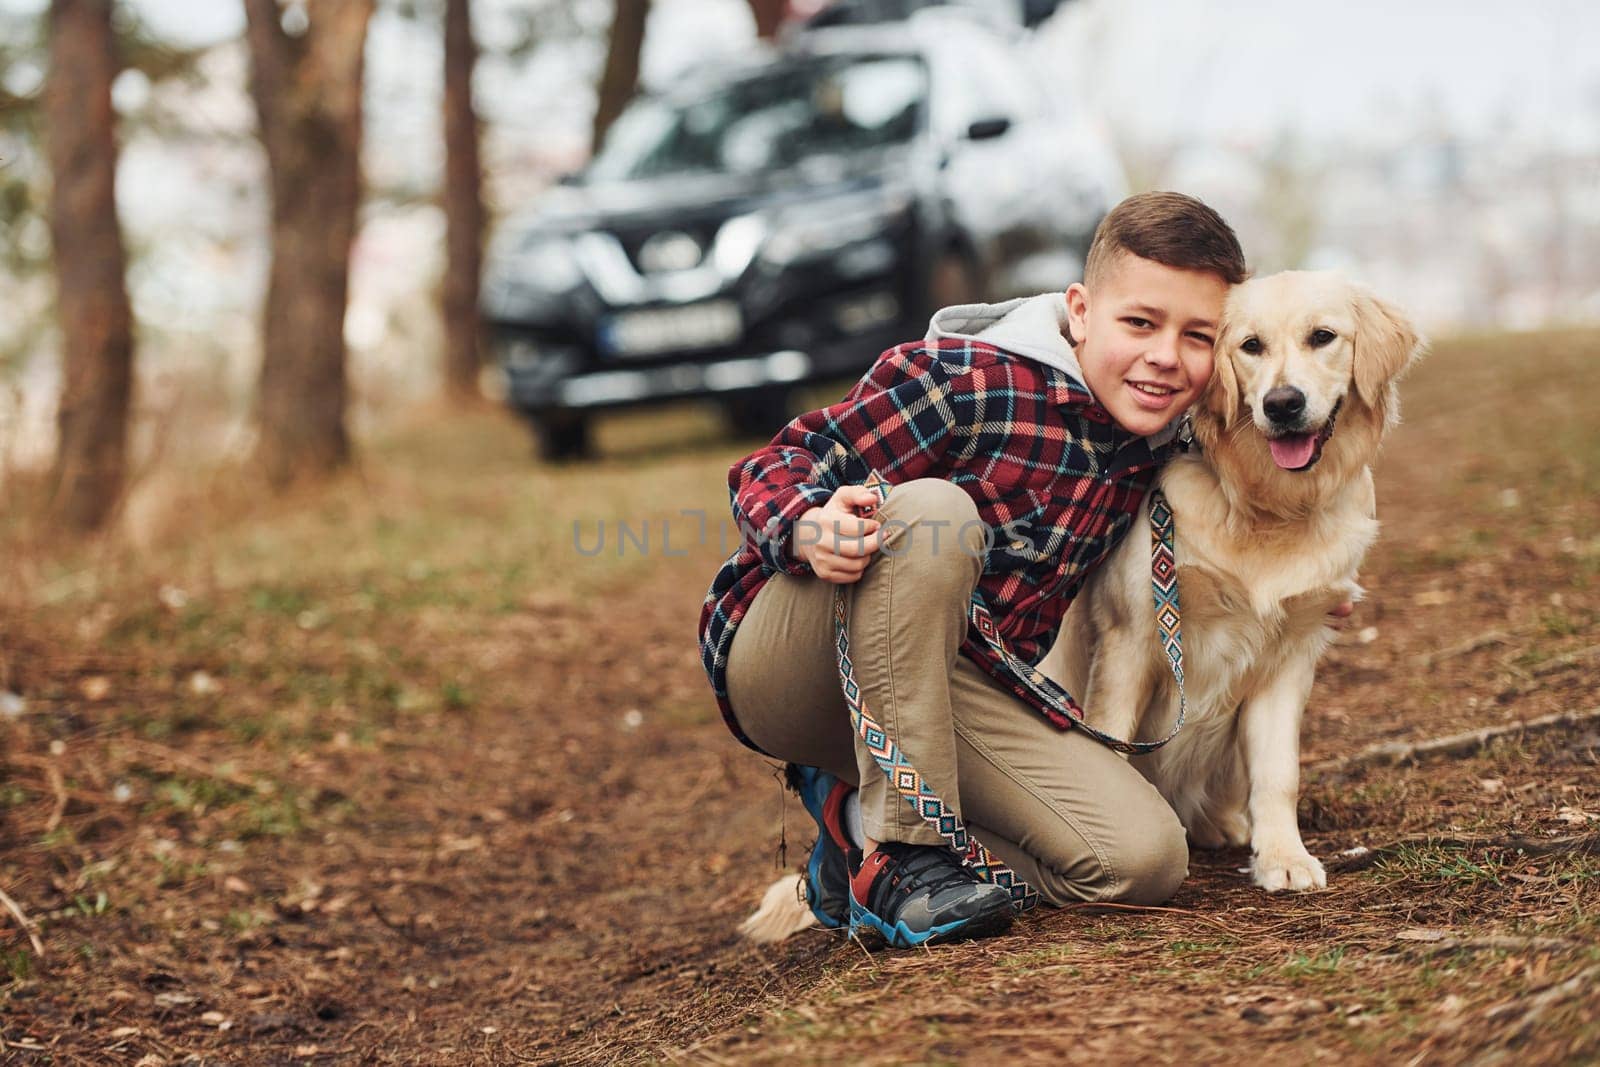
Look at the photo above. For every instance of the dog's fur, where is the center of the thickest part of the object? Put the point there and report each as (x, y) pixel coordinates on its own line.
(1264, 554)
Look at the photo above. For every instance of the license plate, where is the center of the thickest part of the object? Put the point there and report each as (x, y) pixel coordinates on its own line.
(680, 329)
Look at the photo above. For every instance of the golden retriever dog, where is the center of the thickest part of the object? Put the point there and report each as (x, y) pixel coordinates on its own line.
(1274, 513)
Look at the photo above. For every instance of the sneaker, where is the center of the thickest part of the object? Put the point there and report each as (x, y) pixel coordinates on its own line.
(827, 881)
(917, 894)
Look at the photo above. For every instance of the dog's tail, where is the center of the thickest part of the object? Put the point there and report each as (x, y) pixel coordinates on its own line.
(783, 912)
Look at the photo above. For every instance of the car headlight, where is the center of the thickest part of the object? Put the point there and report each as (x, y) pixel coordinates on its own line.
(822, 229)
(737, 242)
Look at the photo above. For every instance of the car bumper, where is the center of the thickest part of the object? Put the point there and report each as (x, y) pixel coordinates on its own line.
(564, 381)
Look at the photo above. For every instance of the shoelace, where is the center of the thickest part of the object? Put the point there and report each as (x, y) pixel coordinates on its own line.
(931, 867)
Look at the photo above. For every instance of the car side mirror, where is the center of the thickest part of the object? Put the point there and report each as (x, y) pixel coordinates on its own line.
(985, 129)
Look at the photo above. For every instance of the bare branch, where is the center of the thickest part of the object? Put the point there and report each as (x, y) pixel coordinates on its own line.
(23, 921)
(1455, 745)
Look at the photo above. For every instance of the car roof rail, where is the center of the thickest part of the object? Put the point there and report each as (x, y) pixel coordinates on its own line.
(1001, 14)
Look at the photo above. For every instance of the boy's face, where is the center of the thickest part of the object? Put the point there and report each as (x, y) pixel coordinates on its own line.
(1144, 339)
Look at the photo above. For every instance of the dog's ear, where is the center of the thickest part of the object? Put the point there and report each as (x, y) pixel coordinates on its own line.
(1222, 393)
(1386, 343)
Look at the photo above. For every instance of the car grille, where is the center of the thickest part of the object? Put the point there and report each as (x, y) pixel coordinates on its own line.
(658, 249)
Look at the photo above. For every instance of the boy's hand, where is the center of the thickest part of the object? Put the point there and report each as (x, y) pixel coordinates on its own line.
(839, 538)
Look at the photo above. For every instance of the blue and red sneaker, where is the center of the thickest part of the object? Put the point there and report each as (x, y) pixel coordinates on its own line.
(918, 894)
(827, 871)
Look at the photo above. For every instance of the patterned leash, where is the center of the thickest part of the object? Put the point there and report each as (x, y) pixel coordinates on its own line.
(909, 783)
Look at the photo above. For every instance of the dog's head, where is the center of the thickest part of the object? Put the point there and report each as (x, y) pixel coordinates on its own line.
(1297, 350)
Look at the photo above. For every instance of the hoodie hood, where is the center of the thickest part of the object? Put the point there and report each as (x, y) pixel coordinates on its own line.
(1031, 327)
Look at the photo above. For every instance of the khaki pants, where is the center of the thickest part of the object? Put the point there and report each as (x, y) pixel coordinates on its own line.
(1069, 815)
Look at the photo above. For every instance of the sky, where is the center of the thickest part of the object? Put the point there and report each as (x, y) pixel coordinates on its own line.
(1233, 68)
(1217, 68)
(1220, 68)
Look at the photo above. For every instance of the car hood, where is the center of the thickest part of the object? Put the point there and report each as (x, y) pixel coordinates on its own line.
(572, 208)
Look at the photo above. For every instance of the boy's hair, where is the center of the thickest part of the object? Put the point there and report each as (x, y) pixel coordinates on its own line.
(1167, 228)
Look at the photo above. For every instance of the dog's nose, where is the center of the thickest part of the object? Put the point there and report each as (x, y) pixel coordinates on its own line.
(1284, 404)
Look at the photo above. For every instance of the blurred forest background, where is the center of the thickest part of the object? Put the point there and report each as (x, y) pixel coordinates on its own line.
(1447, 154)
(324, 745)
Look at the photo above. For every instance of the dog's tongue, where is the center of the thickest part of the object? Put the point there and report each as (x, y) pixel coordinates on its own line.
(1292, 451)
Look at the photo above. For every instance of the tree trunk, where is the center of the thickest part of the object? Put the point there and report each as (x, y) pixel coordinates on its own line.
(620, 79)
(96, 324)
(307, 91)
(463, 204)
(769, 16)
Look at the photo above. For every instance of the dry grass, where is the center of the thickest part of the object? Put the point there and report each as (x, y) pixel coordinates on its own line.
(391, 771)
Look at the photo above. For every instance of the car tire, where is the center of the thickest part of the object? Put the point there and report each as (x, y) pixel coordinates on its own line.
(758, 414)
(561, 436)
(954, 279)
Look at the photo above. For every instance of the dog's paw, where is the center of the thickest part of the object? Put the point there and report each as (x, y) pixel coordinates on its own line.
(783, 911)
(1214, 831)
(1236, 831)
(1288, 868)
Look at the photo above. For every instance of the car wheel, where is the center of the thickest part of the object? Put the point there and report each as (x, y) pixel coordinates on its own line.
(759, 413)
(954, 279)
(561, 436)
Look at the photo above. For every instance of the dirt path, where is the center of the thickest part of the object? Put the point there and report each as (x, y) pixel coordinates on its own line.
(389, 776)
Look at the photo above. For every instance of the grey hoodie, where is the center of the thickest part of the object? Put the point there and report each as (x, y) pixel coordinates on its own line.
(1033, 327)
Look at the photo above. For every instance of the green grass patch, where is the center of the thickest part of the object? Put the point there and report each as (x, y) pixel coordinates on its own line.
(1438, 864)
(16, 963)
(1301, 965)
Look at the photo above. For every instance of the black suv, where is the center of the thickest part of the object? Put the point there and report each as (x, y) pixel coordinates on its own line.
(785, 221)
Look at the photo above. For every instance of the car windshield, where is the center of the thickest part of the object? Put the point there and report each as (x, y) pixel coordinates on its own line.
(816, 106)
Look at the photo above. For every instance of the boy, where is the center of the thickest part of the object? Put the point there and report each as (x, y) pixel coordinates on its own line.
(1019, 440)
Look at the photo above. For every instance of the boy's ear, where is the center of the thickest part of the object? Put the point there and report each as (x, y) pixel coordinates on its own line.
(1385, 345)
(1077, 313)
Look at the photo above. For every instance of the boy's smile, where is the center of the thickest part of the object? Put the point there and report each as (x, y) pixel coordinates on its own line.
(1144, 339)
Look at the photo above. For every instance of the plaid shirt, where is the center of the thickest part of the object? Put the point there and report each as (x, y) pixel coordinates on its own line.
(1057, 481)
